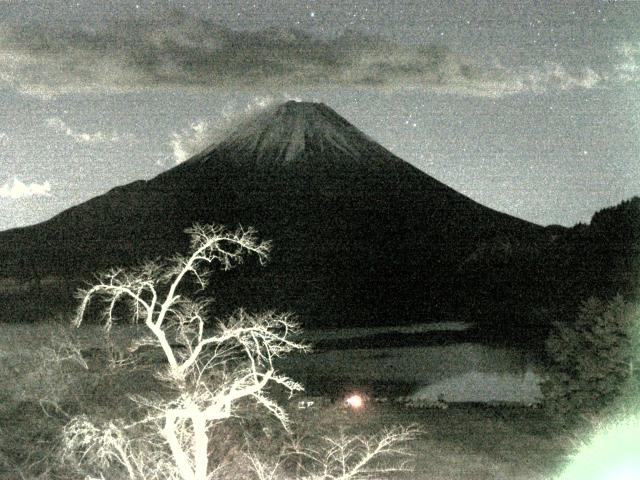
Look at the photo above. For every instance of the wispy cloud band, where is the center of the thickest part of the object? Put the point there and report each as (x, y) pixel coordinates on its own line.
(178, 50)
(58, 125)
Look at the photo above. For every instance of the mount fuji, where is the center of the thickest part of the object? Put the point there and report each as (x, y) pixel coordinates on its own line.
(360, 236)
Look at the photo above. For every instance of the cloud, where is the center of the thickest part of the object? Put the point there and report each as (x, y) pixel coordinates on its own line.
(550, 75)
(177, 50)
(18, 189)
(628, 67)
(201, 134)
(190, 140)
(60, 125)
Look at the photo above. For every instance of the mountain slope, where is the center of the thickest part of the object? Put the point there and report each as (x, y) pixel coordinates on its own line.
(360, 236)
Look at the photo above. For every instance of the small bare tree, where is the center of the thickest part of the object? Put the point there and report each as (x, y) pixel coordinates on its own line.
(345, 457)
(212, 372)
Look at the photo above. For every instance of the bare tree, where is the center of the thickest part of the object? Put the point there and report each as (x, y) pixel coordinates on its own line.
(345, 457)
(203, 369)
(212, 372)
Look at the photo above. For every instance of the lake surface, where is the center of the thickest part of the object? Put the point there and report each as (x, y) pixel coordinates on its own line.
(421, 365)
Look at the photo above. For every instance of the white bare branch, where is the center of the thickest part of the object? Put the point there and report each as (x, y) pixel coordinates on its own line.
(209, 391)
(213, 374)
(347, 457)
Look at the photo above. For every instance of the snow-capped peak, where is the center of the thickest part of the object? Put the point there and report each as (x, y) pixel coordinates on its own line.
(284, 133)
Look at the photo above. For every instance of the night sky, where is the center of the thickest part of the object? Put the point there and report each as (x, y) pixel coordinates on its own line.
(530, 108)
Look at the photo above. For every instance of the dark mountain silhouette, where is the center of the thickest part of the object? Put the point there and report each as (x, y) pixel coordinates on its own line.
(604, 256)
(360, 236)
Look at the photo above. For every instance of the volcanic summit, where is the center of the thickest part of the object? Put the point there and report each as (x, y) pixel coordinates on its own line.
(288, 133)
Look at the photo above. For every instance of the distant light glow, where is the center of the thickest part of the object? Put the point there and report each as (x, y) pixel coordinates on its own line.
(355, 401)
(612, 454)
(624, 472)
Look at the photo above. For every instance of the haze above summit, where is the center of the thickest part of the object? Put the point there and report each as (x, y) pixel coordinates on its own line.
(528, 110)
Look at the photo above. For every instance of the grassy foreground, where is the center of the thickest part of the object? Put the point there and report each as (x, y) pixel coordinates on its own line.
(38, 396)
(467, 441)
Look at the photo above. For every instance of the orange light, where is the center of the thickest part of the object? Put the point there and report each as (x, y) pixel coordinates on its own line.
(355, 401)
